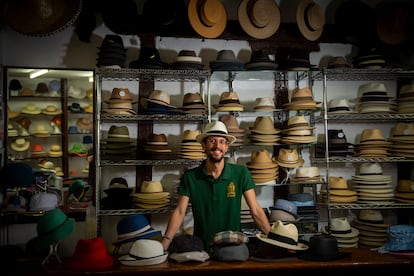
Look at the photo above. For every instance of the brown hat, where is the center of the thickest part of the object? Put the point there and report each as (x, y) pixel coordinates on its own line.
(120, 95)
(207, 17)
(229, 101)
(289, 158)
(302, 98)
(261, 159)
(310, 18)
(264, 125)
(259, 18)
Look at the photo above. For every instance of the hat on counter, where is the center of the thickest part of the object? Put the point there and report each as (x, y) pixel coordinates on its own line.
(134, 227)
(144, 252)
(207, 17)
(259, 19)
(323, 248)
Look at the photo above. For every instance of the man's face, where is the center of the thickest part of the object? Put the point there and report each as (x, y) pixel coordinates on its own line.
(215, 147)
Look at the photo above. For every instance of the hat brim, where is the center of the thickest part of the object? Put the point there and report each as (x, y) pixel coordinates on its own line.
(213, 31)
(299, 246)
(309, 34)
(129, 261)
(229, 137)
(253, 30)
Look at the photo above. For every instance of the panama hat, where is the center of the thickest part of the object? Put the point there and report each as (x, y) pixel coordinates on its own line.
(283, 235)
(289, 158)
(207, 17)
(229, 101)
(310, 18)
(259, 18)
(216, 128)
(341, 228)
(160, 97)
(144, 252)
(260, 159)
(226, 61)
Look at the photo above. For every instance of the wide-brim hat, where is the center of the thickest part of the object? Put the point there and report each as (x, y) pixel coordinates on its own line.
(323, 248)
(216, 128)
(41, 18)
(310, 18)
(259, 19)
(208, 18)
(20, 144)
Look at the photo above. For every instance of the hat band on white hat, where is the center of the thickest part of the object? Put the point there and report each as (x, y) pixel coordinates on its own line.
(134, 233)
(280, 238)
(339, 108)
(341, 231)
(218, 132)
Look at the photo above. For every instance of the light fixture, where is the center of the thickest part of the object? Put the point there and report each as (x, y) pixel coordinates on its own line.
(38, 73)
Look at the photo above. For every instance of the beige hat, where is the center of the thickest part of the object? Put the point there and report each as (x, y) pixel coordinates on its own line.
(151, 190)
(51, 110)
(341, 228)
(30, 108)
(229, 101)
(20, 144)
(283, 235)
(302, 98)
(207, 17)
(160, 97)
(289, 158)
(264, 104)
(310, 18)
(260, 159)
(120, 95)
(264, 125)
(55, 151)
(259, 18)
(231, 123)
(216, 128)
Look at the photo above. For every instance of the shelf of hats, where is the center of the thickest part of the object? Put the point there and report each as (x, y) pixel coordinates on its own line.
(49, 126)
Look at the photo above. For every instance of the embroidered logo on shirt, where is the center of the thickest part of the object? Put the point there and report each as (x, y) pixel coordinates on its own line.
(231, 190)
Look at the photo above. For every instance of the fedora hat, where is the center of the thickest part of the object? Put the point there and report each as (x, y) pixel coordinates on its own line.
(20, 144)
(229, 101)
(286, 206)
(339, 105)
(152, 190)
(160, 97)
(149, 58)
(289, 158)
(118, 187)
(302, 98)
(134, 227)
(259, 60)
(323, 248)
(193, 101)
(264, 125)
(216, 128)
(90, 254)
(231, 123)
(310, 18)
(226, 60)
(120, 95)
(144, 252)
(119, 134)
(259, 18)
(187, 59)
(207, 17)
(260, 159)
(41, 18)
(297, 122)
(283, 235)
(264, 104)
(341, 228)
(307, 174)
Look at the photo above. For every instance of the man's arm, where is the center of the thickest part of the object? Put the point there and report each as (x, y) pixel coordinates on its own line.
(256, 211)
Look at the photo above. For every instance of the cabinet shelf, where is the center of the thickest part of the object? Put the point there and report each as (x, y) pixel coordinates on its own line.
(363, 74)
(123, 212)
(371, 206)
(150, 162)
(155, 117)
(351, 118)
(126, 74)
(361, 160)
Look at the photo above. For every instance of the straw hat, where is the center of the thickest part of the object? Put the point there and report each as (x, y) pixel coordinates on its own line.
(51, 110)
(264, 125)
(289, 158)
(216, 128)
(208, 18)
(160, 97)
(20, 144)
(261, 159)
(30, 108)
(229, 101)
(310, 18)
(264, 104)
(259, 18)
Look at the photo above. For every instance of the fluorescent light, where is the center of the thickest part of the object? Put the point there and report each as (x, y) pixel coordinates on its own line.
(38, 73)
(90, 79)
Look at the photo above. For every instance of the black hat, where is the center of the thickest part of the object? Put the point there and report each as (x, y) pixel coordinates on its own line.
(322, 248)
(149, 58)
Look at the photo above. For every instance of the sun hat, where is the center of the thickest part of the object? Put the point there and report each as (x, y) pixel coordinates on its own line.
(400, 238)
(261, 159)
(30, 108)
(41, 18)
(307, 174)
(323, 248)
(264, 125)
(259, 19)
(310, 19)
(144, 252)
(289, 158)
(152, 190)
(38, 151)
(20, 144)
(52, 227)
(226, 60)
(207, 17)
(264, 104)
(215, 128)
(17, 175)
(133, 227)
(43, 201)
(90, 254)
(51, 110)
(283, 235)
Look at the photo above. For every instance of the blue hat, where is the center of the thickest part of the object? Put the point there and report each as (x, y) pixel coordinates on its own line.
(134, 227)
(400, 238)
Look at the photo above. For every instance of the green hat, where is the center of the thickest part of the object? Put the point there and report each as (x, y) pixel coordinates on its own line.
(52, 227)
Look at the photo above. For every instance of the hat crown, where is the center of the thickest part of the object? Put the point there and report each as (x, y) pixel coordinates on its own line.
(192, 98)
(151, 187)
(230, 121)
(287, 230)
(371, 134)
(120, 94)
(264, 122)
(299, 94)
(372, 87)
(338, 182)
(216, 127)
(288, 155)
(146, 248)
(226, 55)
(340, 224)
(307, 172)
(261, 156)
(297, 121)
(264, 102)
(190, 134)
(160, 95)
(370, 168)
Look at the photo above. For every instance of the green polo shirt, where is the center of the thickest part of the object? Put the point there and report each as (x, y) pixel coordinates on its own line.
(216, 203)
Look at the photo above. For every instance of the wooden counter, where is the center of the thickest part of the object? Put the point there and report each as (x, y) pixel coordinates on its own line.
(360, 261)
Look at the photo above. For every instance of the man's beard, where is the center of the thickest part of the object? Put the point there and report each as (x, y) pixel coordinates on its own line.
(212, 158)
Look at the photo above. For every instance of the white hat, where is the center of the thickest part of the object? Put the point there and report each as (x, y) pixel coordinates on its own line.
(144, 252)
(216, 128)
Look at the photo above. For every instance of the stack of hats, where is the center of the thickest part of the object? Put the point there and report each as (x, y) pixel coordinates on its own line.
(38, 151)
(131, 228)
(189, 147)
(55, 151)
(338, 191)
(298, 131)
(230, 246)
(372, 186)
(263, 168)
(260, 61)
(193, 104)
(405, 99)
(149, 58)
(402, 140)
(157, 147)
(151, 196)
(159, 102)
(339, 106)
(371, 58)
(371, 227)
(264, 104)
(226, 61)
(118, 144)
(229, 101)
(307, 175)
(186, 247)
(374, 99)
(405, 191)
(232, 126)
(120, 102)
(264, 132)
(12, 132)
(337, 145)
(338, 62)
(112, 52)
(118, 195)
(302, 99)
(372, 144)
(284, 210)
(345, 234)
(289, 158)
(187, 60)
(306, 209)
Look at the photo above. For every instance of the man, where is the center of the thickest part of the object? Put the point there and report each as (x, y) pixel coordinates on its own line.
(215, 190)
